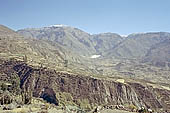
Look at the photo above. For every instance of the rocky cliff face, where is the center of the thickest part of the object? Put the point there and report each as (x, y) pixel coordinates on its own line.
(47, 83)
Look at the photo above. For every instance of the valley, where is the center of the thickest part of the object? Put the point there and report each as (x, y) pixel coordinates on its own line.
(66, 66)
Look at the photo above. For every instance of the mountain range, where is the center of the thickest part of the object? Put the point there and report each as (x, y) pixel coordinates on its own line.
(59, 61)
(138, 46)
(115, 54)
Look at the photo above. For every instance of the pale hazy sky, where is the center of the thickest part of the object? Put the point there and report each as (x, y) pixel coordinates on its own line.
(93, 16)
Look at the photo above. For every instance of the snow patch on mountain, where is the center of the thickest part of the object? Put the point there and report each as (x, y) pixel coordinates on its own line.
(95, 56)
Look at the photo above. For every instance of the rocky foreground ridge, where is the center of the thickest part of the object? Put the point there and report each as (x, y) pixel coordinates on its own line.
(62, 88)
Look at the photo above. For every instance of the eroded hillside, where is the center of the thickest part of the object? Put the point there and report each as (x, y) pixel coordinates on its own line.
(49, 84)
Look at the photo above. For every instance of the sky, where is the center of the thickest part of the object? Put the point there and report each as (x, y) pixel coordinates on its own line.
(93, 16)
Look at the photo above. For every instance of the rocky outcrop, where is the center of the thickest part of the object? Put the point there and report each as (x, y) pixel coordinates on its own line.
(46, 83)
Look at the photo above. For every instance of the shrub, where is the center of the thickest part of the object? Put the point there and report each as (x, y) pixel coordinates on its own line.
(65, 98)
(132, 107)
(4, 87)
(84, 104)
(23, 111)
(26, 96)
(5, 98)
(46, 106)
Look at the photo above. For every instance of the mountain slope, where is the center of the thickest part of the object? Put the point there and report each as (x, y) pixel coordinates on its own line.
(141, 55)
(159, 55)
(137, 46)
(41, 52)
(109, 45)
(37, 52)
(70, 88)
(71, 38)
(106, 41)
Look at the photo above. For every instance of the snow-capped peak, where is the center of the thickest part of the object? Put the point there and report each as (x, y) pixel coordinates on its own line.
(123, 35)
(58, 25)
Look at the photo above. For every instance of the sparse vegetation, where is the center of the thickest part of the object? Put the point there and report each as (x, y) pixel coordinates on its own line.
(25, 58)
(133, 108)
(26, 96)
(66, 63)
(84, 104)
(65, 98)
(4, 87)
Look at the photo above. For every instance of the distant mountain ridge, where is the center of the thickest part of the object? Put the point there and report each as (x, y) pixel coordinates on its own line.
(109, 45)
(71, 38)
